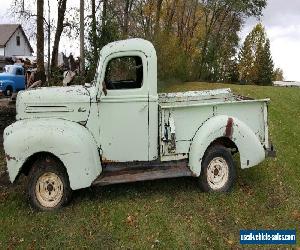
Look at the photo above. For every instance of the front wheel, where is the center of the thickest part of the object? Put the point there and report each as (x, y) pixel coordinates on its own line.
(48, 187)
(218, 170)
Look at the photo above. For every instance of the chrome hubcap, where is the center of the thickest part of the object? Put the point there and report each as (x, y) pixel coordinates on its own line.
(217, 173)
(49, 190)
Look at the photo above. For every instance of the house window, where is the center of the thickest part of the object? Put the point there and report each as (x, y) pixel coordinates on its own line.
(124, 73)
(18, 41)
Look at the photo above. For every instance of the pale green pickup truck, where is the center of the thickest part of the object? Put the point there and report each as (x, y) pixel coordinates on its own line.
(119, 129)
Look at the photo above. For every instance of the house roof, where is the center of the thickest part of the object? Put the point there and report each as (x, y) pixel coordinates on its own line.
(7, 31)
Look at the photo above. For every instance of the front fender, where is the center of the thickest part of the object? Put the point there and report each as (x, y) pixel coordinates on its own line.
(69, 141)
(6, 83)
(249, 146)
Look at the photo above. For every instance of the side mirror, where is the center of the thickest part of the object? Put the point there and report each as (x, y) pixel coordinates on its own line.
(104, 88)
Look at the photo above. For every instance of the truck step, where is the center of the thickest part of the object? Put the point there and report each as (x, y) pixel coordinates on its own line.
(125, 173)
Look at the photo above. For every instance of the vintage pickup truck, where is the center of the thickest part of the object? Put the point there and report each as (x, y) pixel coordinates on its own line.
(119, 129)
(12, 79)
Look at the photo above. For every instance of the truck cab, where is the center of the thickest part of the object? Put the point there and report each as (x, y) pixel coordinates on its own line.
(119, 129)
(12, 79)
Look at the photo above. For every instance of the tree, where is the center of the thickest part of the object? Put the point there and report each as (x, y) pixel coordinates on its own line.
(62, 5)
(265, 65)
(246, 61)
(278, 75)
(255, 60)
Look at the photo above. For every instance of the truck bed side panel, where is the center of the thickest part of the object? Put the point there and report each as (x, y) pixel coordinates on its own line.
(189, 118)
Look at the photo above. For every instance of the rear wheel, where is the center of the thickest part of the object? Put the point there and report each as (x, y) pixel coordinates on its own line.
(48, 187)
(8, 91)
(218, 170)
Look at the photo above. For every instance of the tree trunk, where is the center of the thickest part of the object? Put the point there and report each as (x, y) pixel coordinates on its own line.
(94, 32)
(62, 4)
(127, 10)
(104, 16)
(40, 38)
(82, 59)
(157, 17)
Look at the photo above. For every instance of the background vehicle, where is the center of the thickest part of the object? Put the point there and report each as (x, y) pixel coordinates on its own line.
(12, 80)
(120, 130)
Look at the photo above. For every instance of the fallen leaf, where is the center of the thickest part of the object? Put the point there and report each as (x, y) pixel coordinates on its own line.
(230, 242)
(296, 214)
(131, 220)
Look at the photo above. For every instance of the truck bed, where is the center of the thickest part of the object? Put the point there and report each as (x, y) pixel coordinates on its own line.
(186, 111)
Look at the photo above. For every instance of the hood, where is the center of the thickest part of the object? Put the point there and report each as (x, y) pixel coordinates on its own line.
(70, 103)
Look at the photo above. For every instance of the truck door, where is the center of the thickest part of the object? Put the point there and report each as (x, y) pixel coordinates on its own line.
(123, 111)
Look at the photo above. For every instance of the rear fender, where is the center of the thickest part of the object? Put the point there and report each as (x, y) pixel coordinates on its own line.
(250, 149)
(68, 141)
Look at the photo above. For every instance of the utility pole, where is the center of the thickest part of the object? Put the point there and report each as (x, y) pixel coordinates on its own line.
(82, 61)
(40, 40)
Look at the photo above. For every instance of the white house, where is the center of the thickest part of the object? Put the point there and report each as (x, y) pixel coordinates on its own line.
(13, 41)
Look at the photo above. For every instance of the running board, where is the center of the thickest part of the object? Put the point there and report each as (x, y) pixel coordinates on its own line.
(124, 173)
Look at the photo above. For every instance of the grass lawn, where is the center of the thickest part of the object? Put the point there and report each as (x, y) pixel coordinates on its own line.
(173, 213)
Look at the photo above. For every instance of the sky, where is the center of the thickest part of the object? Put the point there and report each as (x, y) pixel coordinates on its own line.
(281, 20)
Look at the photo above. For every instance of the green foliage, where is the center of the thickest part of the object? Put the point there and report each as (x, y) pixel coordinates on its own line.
(264, 65)
(173, 63)
(233, 72)
(56, 77)
(246, 61)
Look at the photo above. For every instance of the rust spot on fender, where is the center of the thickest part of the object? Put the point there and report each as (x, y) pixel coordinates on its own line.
(229, 128)
(8, 157)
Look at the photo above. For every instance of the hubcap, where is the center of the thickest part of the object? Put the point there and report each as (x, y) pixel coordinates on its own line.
(217, 173)
(49, 190)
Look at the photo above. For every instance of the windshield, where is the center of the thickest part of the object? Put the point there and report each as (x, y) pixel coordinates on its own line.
(9, 69)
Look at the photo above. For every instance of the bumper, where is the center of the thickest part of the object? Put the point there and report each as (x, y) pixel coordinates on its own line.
(271, 152)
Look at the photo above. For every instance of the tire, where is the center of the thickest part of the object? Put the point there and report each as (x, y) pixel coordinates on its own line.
(8, 91)
(217, 170)
(48, 186)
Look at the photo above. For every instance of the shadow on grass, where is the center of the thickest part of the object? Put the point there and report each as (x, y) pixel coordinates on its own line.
(247, 181)
(137, 189)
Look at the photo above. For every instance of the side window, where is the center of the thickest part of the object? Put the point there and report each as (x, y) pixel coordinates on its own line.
(18, 41)
(124, 73)
(19, 72)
